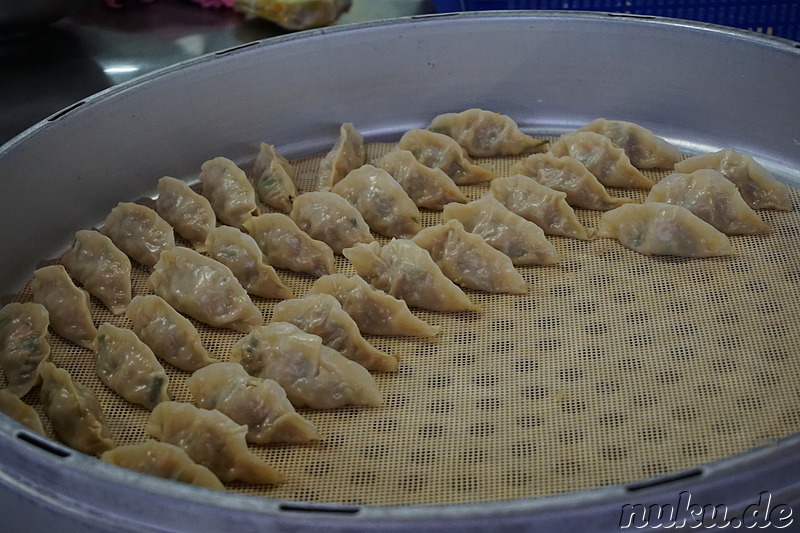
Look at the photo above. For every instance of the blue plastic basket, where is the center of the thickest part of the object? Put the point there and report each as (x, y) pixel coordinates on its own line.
(773, 18)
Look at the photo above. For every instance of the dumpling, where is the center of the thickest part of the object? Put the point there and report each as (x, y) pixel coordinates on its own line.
(374, 311)
(406, 271)
(758, 187)
(170, 335)
(329, 218)
(521, 240)
(128, 367)
(240, 252)
(211, 439)
(74, 412)
(66, 304)
(568, 175)
(102, 268)
(20, 411)
(228, 191)
(381, 200)
(707, 194)
(273, 179)
(347, 154)
(642, 147)
(322, 315)
(204, 289)
(663, 229)
(542, 205)
(601, 157)
(187, 211)
(24, 344)
(162, 460)
(485, 133)
(440, 151)
(287, 246)
(312, 374)
(259, 404)
(139, 232)
(427, 187)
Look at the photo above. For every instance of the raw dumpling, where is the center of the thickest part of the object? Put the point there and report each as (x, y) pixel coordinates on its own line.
(542, 205)
(20, 411)
(162, 460)
(427, 187)
(644, 149)
(312, 374)
(259, 404)
(228, 191)
(74, 412)
(521, 240)
(485, 133)
(170, 335)
(347, 154)
(601, 157)
(24, 345)
(568, 175)
(757, 186)
(374, 311)
(707, 194)
(204, 289)
(240, 252)
(187, 211)
(67, 305)
(139, 232)
(436, 150)
(128, 367)
(329, 218)
(287, 246)
(102, 268)
(663, 229)
(468, 260)
(406, 271)
(322, 315)
(381, 200)
(273, 179)
(211, 439)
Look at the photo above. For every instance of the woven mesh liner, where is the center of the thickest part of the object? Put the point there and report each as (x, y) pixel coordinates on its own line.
(615, 367)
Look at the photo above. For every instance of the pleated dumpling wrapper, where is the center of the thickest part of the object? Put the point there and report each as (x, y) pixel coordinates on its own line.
(24, 345)
(18, 410)
(347, 154)
(643, 148)
(229, 192)
(273, 179)
(437, 150)
(428, 187)
(68, 307)
(139, 232)
(188, 212)
(485, 133)
(329, 218)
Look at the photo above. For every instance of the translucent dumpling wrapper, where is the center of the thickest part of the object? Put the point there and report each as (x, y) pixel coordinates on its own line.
(643, 148)
(545, 207)
(273, 179)
(485, 133)
(139, 232)
(374, 311)
(259, 404)
(189, 213)
(287, 246)
(74, 412)
(18, 410)
(322, 315)
(437, 150)
(68, 306)
(211, 439)
(710, 196)
(240, 252)
(570, 176)
(406, 271)
(162, 460)
(24, 345)
(347, 154)
(204, 289)
(312, 374)
(757, 186)
(295, 14)
(170, 335)
(608, 162)
(663, 229)
(521, 240)
(428, 187)
(229, 192)
(329, 218)
(381, 200)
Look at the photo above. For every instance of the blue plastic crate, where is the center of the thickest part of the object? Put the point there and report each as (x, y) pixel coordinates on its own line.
(773, 18)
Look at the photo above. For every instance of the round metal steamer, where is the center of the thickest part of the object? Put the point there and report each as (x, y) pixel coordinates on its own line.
(703, 88)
